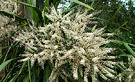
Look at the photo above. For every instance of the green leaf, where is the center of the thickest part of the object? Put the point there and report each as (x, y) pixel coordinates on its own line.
(70, 9)
(3, 56)
(4, 39)
(119, 28)
(5, 63)
(8, 74)
(34, 3)
(118, 66)
(50, 65)
(12, 80)
(83, 4)
(6, 54)
(131, 44)
(92, 3)
(114, 16)
(13, 16)
(66, 79)
(113, 23)
(8, 46)
(36, 13)
(21, 78)
(47, 72)
(15, 77)
(80, 80)
(29, 70)
(45, 10)
(129, 49)
(56, 3)
(26, 79)
(34, 75)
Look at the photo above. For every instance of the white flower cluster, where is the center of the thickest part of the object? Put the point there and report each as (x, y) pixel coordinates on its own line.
(6, 23)
(8, 6)
(66, 40)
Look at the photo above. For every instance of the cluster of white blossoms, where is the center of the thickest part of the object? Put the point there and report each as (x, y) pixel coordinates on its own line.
(6, 23)
(66, 40)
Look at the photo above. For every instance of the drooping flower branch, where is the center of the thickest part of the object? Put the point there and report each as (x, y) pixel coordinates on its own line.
(66, 40)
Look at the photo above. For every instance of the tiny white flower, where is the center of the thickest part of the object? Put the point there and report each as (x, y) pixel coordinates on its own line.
(76, 37)
(95, 59)
(22, 60)
(75, 75)
(85, 79)
(82, 62)
(92, 50)
(35, 56)
(69, 52)
(6, 2)
(130, 76)
(110, 75)
(17, 39)
(133, 63)
(41, 53)
(95, 68)
(82, 50)
(52, 54)
(56, 46)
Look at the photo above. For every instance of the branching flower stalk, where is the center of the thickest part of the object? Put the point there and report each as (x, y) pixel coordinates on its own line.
(66, 40)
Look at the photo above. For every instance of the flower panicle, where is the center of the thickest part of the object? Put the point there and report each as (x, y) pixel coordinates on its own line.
(66, 40)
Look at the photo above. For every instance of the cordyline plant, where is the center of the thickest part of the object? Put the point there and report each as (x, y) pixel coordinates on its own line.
(65, 40)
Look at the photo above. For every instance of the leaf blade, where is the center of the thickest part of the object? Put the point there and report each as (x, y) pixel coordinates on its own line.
(83, 4)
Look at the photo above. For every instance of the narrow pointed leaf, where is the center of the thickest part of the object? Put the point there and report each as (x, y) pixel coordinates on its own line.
(12, 16)
(34, 74)
(15, 77)
(45, 10)
(29, 70)
(114, 16)
(129, 49)
(8, 74)
(46, 73)
(4, 64)
(83, 4)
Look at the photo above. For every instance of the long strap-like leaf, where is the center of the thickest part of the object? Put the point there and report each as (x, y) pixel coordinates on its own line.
(83, 4)
(129, 49)
(6, 62)
(13, 16)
